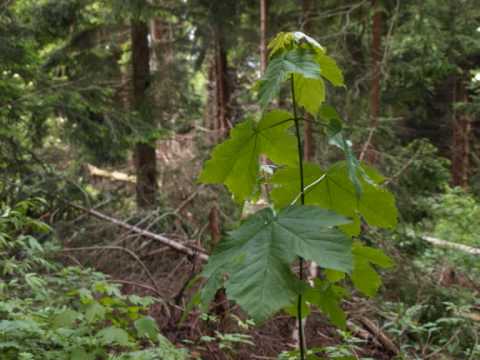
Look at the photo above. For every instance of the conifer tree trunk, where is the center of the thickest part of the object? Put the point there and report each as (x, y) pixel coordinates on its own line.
(144, 153)
(461, 124)
(376, 55)
(217, 110)
(460, 137)
(210, 113)
(221, 84)
(309, 141)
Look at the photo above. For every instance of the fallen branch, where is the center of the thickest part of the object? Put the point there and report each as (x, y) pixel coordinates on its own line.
(362, 333)
(112, 175)
(379, 335)
(451, 245)
(190, 250)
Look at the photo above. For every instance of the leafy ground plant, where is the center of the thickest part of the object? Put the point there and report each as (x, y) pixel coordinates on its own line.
(314, 213)
(52, 312)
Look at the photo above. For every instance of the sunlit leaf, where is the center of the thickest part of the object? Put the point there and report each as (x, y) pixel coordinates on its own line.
(334, 190)
(309, 93)
(235, 162)
(282, 41)
(297, 61)
(329, 69)
(364, 276)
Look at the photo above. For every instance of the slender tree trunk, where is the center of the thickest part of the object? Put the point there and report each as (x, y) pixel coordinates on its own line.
(222, 86)
(144, 153)
(263, 35)
(376, 51)
(210, 114)
(308, 139)
(462, 129)
(263, 67)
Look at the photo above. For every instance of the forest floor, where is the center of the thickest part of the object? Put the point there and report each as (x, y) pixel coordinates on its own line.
(159, 271)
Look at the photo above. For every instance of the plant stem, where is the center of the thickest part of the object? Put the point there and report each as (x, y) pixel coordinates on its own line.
(301, 337)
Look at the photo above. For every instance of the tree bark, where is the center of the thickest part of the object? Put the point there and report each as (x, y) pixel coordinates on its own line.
(263, 35)
(376, 51)
(210, 112)
(222, 87)
(308, 139)
(144, 153)
(461, 137)
(214, 225)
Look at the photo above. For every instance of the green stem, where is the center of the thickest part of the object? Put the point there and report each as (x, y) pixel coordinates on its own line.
(302, 199)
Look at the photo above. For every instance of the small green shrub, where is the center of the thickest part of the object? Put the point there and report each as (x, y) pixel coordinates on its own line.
(421, 336)
(418, 174)
(457, 213)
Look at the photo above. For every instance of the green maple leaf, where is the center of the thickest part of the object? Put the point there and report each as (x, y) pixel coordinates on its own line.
(288, 40)
(364, 276)
(297, 61)
(309, 93)
(283, 40)
(299, 54)
(335, 191)
(327, 297)
(257, 256)
(329, 69)
(235, 162)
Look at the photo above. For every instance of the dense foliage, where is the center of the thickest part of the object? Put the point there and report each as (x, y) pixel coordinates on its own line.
(53, 312)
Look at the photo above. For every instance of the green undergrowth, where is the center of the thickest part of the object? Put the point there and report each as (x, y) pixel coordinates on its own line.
(429, 306)
(49, 311)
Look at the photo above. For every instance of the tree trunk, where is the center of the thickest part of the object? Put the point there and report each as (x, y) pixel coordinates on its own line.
(461, 137)
(210, 112)
(221, 83)
(263, 35)
(309, 141)
(217, 110)
(376, 51)
(144, 153)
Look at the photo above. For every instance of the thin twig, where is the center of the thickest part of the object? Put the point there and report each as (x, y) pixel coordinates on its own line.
(367, 144)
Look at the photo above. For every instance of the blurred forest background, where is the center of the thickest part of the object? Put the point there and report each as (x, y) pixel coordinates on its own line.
(108, 109)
